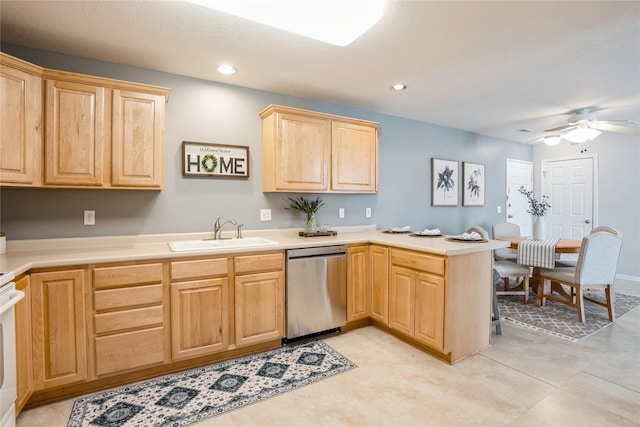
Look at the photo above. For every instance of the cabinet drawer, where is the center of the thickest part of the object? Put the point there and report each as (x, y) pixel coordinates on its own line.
(251, 263)
(199, 268)
(129, 350)
(418, 261)
(110, 299)
(128, 319)
(111, 277)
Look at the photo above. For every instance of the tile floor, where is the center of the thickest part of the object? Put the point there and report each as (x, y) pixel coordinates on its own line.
(524, 379)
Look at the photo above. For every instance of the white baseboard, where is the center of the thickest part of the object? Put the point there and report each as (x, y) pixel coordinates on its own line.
(627, 277)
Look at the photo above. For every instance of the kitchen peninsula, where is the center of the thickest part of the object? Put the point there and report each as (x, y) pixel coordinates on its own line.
(129, 308)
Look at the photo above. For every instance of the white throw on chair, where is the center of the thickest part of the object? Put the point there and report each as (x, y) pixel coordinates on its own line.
(595, 270)
(508, 270)
(505, 229)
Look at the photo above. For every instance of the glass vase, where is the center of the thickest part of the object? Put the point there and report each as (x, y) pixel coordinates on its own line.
(310, 226)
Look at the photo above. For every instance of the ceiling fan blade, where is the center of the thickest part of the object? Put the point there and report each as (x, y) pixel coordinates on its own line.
(617, 129)
(561, 128)
(617, 122)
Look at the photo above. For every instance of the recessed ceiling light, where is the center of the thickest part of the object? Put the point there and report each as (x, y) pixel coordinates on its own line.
(226, 69)
(335, 22)
(398, 87)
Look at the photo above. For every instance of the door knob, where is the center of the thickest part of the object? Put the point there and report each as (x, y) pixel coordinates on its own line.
(587, 221)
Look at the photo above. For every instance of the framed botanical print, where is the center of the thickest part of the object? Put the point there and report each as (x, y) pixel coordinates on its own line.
(474, 184)
(444, 182)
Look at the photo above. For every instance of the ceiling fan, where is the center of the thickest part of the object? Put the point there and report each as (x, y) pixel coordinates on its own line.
(584, 126)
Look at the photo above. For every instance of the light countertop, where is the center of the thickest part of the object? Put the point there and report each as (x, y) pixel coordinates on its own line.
(23, 255)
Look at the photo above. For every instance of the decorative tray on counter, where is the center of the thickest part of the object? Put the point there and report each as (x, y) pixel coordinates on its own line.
(421, 234)
(318, 233)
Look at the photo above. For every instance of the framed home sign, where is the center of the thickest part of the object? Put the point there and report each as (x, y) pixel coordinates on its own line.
(215, 160)
(473, 184)
(444, 182)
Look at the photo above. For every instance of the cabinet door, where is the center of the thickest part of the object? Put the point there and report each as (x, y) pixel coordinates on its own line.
(402, 299)
(137, 140)
(259, 307)
(379, 260)
(20, 127)
(59, 332)
(429, 311)
(24, 356)
(354, 157)
(302, 153)
(199, 317)
(357, 280)
(75, 134)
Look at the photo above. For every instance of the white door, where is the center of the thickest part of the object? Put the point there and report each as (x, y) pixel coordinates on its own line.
(570, 185)
(519, 174)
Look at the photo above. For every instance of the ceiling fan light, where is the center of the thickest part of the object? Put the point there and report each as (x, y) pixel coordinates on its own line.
(582, 134)
(552, 140)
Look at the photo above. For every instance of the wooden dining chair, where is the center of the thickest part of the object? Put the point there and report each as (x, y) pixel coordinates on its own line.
(595, 270)
(573, 262)
(508, 270)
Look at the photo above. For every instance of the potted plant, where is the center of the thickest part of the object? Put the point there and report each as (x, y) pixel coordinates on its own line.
(537, 209)
(309, 207)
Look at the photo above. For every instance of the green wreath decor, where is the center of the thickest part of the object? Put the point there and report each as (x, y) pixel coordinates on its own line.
(205, 162)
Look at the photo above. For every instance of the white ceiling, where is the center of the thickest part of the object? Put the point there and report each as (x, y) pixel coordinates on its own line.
(483, 66)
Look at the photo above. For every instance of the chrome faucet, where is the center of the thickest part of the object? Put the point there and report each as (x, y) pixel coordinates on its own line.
(217, 227)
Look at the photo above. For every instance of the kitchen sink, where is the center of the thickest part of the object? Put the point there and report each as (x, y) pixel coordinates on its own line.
(205, 245)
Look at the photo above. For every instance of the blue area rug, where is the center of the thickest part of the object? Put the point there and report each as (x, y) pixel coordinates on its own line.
(192, 396)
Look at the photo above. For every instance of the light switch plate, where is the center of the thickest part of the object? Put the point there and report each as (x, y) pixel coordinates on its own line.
(499, 209)
(367, 212)
(341, 213)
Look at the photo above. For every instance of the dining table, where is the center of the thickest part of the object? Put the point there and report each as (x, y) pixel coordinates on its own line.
(564, 246)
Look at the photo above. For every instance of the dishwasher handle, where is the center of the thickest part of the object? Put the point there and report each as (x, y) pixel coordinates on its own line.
(319, 251)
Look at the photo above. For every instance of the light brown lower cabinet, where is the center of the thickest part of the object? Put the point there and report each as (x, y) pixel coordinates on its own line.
(259, 298)
(199, 307)
(95, 322)
(129, 320)
(379, 279)
(24, 355)
(59, 331)
(417, 296)
(358, 275)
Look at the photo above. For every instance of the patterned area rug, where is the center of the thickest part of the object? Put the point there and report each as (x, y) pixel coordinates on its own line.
(561, 320)
(191, 396)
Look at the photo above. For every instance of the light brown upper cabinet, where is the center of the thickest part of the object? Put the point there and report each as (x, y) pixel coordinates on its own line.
(306, 151)
(75, 134)
(98, 133)
(20, 123)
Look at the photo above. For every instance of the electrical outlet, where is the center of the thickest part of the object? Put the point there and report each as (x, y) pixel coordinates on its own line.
(89, 217)
(265, 214)
(367, 212)
(499, 209)
(341, 213)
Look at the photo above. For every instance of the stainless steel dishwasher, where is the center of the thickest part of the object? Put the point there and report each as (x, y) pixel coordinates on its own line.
(316, 290)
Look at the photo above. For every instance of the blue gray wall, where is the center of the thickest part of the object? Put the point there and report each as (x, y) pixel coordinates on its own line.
(618, 160)
(210, 112)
